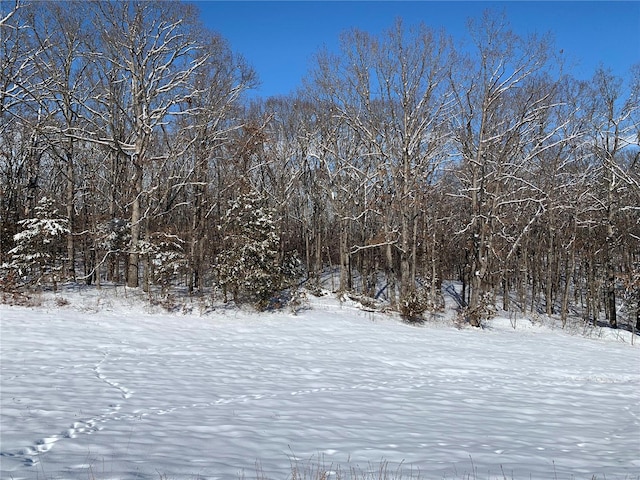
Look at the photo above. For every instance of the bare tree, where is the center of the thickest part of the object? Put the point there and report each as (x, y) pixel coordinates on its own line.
(21, 146)
(215, 114)
(343, 170)
(410, 72)
(60, 34)
(391, 92)
(502, 96)
(146, 55)
(612, 129)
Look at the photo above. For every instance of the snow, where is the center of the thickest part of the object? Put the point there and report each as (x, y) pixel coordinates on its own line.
(107, 388)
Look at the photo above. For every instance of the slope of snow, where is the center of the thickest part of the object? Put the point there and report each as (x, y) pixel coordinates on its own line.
(104, 389)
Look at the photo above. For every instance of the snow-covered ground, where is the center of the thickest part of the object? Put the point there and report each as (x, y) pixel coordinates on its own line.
(103, 388)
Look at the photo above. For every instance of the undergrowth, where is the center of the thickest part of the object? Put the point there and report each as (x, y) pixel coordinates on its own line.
(314, 469)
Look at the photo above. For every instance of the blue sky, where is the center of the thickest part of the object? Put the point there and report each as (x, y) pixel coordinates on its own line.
(279, 38)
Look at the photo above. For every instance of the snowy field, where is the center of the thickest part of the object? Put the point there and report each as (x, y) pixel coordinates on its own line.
(106, 389)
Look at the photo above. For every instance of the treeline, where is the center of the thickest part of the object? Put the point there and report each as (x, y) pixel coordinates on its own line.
(130, 153)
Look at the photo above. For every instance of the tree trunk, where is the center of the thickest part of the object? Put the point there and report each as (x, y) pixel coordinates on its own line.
(391, 275)
(406, 282)
(463, 279)
(479, 262)
(570, 265)
(136, 218)
(70, 194)
(505, 291)
(435, 288)
(318, 255)
(345, 258)
(610, 283)
(548, 290)
(474, 299)
(414, 256)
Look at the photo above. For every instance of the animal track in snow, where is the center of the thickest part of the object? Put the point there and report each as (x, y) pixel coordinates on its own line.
(125, 392)
(30, 455)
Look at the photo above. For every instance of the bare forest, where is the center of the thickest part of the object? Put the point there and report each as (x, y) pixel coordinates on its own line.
(130, 153)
